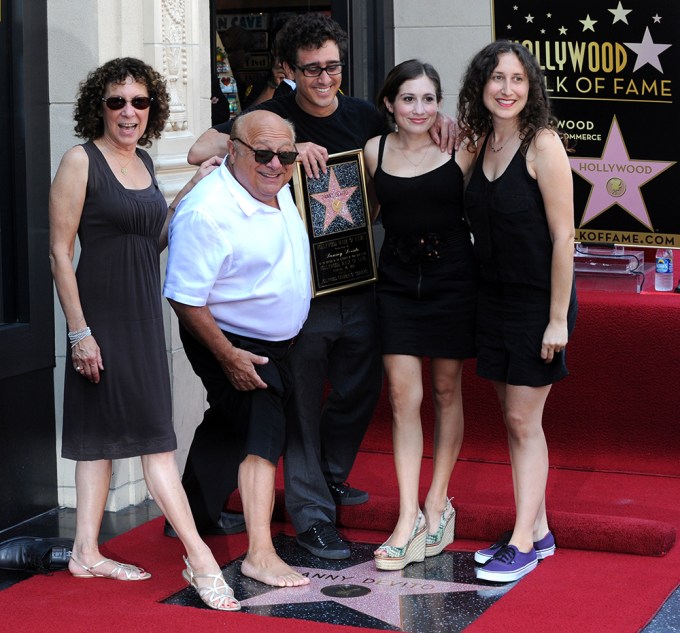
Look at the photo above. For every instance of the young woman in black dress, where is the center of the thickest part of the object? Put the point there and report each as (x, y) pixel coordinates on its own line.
(426, 295)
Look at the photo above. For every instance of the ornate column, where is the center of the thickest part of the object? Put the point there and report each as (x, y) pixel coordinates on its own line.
(183, 56)
(175, 67)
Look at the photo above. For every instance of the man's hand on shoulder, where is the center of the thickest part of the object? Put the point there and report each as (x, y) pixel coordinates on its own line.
(444, 133)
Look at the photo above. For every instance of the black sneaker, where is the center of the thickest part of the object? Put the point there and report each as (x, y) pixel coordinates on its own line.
(344, 495)
(323, 540)
(229, 523)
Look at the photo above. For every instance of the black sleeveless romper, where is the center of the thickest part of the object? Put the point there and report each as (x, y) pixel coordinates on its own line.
(514, 251)
(426, 288)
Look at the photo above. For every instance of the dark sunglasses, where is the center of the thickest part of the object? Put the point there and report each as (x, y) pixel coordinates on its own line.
(118, 103)
(264, 156)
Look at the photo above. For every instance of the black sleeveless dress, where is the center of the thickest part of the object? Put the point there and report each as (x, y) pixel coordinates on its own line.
(129, 412)
(514, 250)
(426, 288)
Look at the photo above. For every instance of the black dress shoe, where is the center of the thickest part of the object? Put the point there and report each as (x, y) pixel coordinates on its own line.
(229, 523)
(344, 495)
(323, 540)
(31, 553)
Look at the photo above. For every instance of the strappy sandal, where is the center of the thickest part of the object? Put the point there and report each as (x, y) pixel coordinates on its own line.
(391, 558)
(435, 543)
(220, 596)
(129, 572)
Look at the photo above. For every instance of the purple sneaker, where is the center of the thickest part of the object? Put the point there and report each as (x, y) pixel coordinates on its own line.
(508, 564)
(544, 548)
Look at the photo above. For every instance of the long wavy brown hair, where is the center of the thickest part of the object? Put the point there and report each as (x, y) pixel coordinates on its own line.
(88, 111)
(474, 120)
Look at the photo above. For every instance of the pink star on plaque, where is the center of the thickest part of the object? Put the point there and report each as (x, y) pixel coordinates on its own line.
(335, 200)
(617, 179)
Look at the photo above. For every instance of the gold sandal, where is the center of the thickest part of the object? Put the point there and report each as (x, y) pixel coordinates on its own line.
(220, 596)
(131, 572)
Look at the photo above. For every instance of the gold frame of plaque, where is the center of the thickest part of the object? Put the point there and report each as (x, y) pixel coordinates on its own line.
(336, 213)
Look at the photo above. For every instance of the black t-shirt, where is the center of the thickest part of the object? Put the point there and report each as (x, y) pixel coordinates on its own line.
(348, 128)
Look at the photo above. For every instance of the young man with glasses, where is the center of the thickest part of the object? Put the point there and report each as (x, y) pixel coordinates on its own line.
(339, 343)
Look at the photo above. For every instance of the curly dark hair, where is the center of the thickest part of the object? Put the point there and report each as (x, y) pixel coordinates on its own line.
(474, 119)
(405, 71)
(88, 111)
(309, 31)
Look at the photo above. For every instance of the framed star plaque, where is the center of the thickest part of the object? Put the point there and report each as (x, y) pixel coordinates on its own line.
(335, 210)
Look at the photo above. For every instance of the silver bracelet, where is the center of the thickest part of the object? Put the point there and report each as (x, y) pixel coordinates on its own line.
(75, 337)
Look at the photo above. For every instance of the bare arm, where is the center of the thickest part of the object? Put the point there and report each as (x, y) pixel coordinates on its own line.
(371, 160)
(547, 160)
(210, 143)
(205, 168)
(238, 364)
(67, 196)
(213, 143)
(465, 159)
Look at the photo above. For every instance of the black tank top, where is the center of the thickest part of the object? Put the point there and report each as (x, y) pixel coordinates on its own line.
(429, 203)
(507, 217)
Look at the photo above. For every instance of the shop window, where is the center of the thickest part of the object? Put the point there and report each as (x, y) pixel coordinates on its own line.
(244, 46)
(244, 38)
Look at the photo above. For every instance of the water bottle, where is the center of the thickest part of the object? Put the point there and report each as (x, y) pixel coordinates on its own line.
(663, 279)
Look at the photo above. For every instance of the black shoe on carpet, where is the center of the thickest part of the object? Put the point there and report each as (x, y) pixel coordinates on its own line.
(31, 553)
(229, 523)
(344, 495)
(323, 540)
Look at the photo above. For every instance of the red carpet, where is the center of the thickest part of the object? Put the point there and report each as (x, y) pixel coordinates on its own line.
(576, 590)
(613, 494)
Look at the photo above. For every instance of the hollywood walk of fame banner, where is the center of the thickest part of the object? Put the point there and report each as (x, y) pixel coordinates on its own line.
(335, 211)
(612, 69)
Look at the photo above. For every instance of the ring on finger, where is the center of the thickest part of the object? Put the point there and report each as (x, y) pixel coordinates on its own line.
(79, 368)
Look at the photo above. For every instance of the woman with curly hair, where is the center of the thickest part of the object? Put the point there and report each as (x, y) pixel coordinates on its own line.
(105, 192)
(520, 207)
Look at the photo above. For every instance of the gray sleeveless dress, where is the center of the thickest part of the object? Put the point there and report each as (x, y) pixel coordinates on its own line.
(129, 412)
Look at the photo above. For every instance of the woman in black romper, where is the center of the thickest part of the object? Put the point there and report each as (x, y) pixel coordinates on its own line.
(520, 208)
(426, 296)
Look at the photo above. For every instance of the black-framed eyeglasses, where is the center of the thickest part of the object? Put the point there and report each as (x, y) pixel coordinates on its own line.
(118, 103)
(264, 156)
(312, 70)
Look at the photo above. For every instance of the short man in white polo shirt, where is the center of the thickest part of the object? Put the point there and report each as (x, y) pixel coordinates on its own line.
(238, 278)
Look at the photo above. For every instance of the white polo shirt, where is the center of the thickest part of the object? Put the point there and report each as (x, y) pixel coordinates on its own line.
(247, 261)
